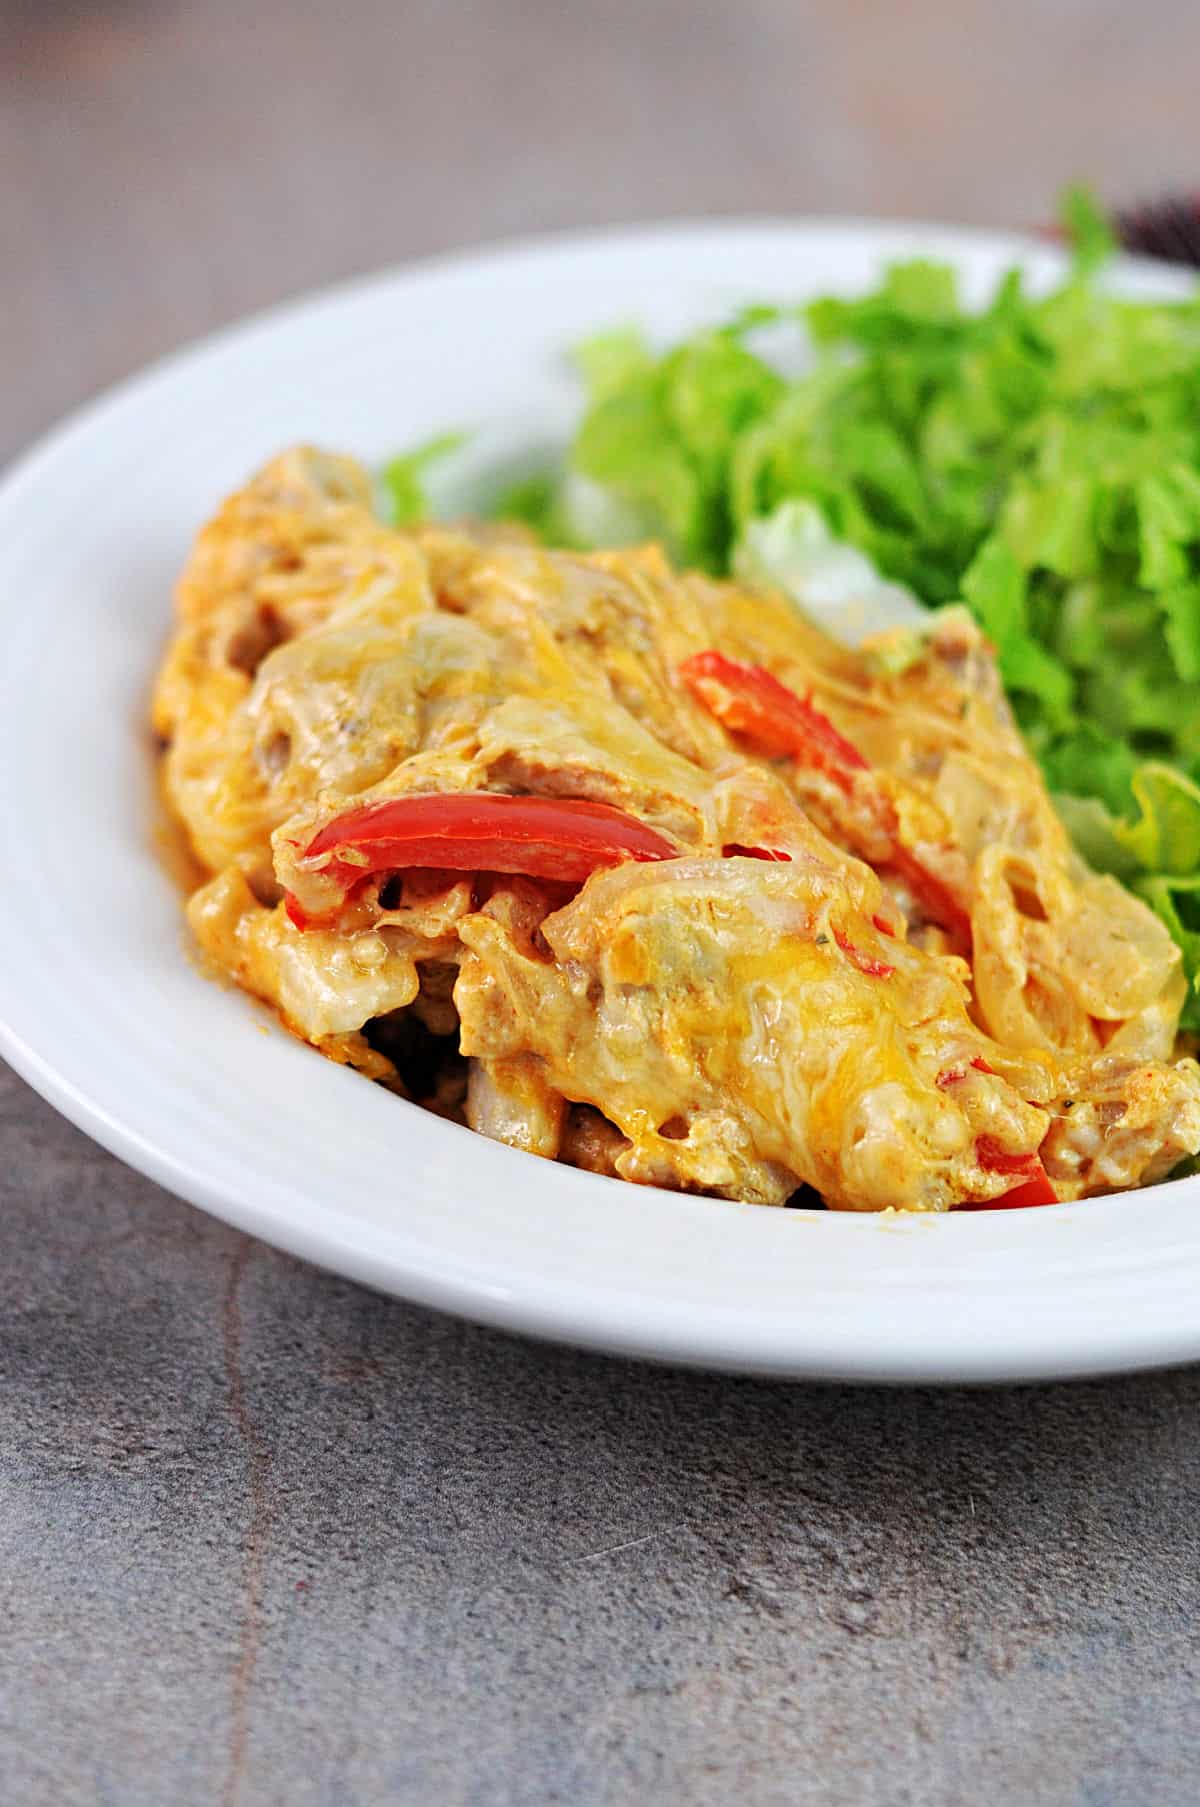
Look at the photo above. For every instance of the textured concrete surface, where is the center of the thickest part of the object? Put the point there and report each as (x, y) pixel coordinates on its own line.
(168, 164)
(266, 1538)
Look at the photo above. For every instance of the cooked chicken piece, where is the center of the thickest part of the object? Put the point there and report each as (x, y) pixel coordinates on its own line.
(1126, 1125)
(748, 1029)
(279, 557)
(850, 946)
(325, 987)
(513, 1101)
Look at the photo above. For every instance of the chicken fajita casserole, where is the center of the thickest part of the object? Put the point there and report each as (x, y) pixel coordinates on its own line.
(640, 871)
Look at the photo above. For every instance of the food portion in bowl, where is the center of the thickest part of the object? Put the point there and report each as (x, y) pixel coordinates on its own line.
(642, 871)
(1036, 458)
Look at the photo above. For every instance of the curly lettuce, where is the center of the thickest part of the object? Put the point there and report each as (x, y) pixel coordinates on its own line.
(1037, 459)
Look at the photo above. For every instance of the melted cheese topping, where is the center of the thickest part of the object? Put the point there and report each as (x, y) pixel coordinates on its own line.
(725, 1024)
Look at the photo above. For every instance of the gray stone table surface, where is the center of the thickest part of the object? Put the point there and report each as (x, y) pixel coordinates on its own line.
(266, 1537)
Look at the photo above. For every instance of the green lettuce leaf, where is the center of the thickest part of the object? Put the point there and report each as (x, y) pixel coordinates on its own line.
(403, 477)
(1093, 828)
(609, 361)
(1176, 901)
(1155, 850)
(1088, 228)
(1037, 458)
(659, 435)
(1165, 836)
(1087, 763)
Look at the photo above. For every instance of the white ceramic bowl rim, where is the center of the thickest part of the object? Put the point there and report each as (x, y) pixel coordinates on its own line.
(103, 1012)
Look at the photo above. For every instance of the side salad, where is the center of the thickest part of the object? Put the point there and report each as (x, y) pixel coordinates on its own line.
(1038, 460)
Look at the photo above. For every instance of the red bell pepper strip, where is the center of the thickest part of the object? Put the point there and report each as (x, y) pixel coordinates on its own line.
(866, 963)
(935, 898)
(1035, 1187)
(477, 831)
(994, 1158)
(750, 700)
(952, 1075)
(735, 850)
(1033, 1192)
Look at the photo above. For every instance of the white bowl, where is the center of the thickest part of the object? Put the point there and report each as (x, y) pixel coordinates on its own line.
(103, 1011)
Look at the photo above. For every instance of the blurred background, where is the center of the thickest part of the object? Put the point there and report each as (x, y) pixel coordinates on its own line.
(166, 165)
